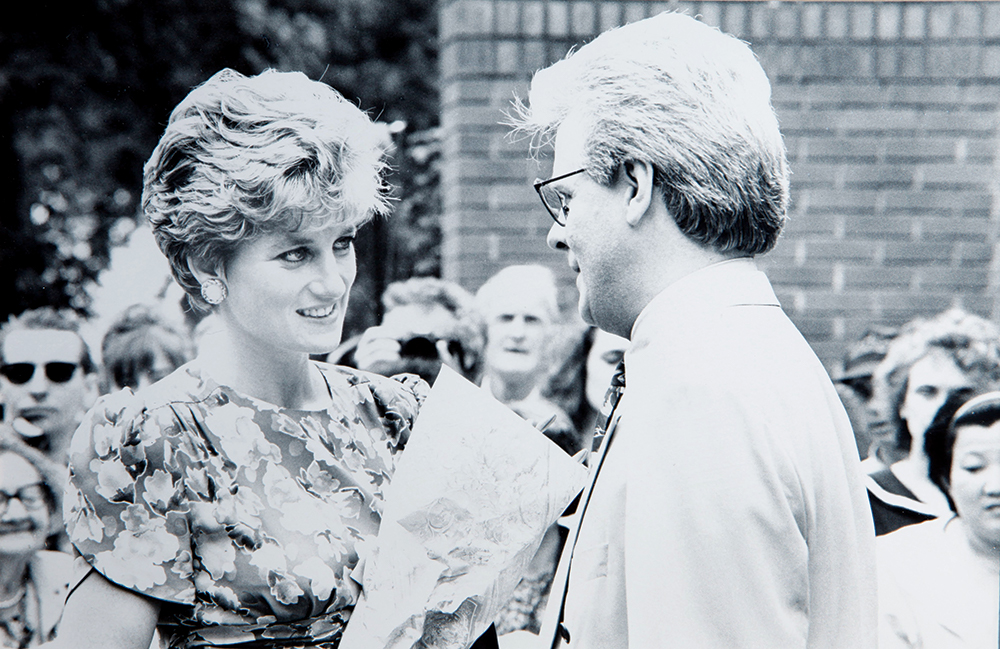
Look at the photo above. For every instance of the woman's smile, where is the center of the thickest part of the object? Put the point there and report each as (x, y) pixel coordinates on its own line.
(318, 312)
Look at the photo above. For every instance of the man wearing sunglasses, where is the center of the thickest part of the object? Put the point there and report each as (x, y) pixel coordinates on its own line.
(48, 380)
(726, 506)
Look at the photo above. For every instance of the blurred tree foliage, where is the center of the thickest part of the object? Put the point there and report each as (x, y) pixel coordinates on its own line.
(86, 88)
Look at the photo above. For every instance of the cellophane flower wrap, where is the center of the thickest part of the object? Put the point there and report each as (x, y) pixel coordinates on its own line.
(470, 501)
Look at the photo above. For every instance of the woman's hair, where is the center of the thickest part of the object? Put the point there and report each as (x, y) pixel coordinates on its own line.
(691, 101)
(131, 345)
(243, 156)
(971, 341)
(960, 409)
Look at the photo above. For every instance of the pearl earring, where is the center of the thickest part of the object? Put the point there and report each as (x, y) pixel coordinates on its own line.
(214, 291)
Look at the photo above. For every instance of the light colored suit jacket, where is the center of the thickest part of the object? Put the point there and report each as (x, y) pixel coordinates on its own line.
(730, 510)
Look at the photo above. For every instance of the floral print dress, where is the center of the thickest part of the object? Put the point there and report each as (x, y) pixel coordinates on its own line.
(243, 519)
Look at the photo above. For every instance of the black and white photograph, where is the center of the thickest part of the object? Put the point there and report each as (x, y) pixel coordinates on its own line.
(500, 324)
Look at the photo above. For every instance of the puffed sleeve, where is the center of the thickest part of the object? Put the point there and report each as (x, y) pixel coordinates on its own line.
(398, 400)
(125, 508)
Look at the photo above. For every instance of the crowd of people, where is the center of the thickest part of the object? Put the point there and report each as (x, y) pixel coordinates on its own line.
(511, 341)
(216, 484)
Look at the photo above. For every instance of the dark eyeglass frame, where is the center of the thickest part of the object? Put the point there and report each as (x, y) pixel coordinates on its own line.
(55, 371)
(554, 211)
(32, 500)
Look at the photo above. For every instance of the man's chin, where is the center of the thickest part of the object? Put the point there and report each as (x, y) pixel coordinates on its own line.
(29, 428)
(585, 312)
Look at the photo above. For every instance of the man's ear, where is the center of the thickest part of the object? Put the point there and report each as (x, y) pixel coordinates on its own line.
(638, 175)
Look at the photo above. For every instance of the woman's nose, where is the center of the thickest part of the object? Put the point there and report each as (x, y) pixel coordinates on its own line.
(992, 481)
(330, 279)
(15, 510)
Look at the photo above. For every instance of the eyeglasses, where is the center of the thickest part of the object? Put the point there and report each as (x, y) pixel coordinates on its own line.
(32, 496)
(21, 373)
(554, 200)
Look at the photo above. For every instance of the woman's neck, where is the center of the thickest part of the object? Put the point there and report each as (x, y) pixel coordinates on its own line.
(912, 472)
(280, 377)
(982, 550)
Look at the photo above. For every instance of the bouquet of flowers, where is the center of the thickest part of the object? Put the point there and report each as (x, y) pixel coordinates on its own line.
(471, 499)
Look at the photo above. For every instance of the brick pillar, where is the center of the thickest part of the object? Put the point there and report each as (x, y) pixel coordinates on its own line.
(889, 110)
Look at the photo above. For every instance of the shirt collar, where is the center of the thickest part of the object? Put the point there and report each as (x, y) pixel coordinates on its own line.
(726, 283)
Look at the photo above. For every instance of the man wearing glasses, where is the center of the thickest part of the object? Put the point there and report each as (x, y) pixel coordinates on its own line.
(726, 506)
(48, 380)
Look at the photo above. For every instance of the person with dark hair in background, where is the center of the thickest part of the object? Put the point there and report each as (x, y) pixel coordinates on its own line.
(726, 506)
(427, 322)
(939, 580)
(854, 385)
(48, 378)
(33, 580)
(580, 382)
(226, 504)
(928, 360)
(140, 348)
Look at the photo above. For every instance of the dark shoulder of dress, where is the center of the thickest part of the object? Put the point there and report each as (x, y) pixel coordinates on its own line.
(893, 505)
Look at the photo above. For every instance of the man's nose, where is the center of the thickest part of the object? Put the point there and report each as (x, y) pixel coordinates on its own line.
(39, 383)
(556, 237)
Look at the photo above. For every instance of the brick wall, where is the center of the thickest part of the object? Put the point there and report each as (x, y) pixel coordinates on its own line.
(889, 110)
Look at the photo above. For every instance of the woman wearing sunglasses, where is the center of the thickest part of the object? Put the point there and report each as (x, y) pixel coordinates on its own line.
(224, 505)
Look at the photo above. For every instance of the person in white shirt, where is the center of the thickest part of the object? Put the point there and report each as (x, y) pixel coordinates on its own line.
(939, 581)
(727, 505)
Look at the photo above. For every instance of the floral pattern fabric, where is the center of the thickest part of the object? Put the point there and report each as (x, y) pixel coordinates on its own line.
(243, 518)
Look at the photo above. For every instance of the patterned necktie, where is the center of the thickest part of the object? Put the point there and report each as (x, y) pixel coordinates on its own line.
(611, 399)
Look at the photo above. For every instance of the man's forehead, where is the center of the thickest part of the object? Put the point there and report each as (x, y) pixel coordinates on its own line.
(42, 346)
(570, 146)
(514, 301)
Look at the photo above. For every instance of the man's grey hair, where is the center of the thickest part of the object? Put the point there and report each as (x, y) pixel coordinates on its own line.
(691, 101)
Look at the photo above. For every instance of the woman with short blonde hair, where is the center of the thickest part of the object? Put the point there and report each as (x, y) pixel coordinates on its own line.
(224, 505)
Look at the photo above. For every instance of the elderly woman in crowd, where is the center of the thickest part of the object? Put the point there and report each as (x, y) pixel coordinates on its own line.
(224, 505)
(519, 307)
(928, 360)
(33, 580)
(939, 581)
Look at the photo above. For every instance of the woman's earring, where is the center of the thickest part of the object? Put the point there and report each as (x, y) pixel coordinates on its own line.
(214, 291)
